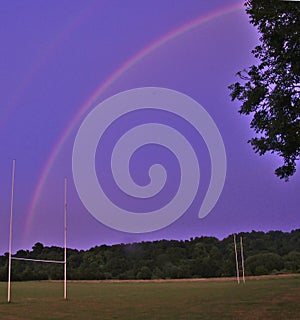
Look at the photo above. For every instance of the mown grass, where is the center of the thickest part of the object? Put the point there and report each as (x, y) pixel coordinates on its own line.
(259, 299)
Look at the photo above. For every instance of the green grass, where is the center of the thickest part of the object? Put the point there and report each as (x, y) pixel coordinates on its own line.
(258, 299)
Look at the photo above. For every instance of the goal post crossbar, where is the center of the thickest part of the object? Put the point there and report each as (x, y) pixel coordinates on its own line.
(38, 260)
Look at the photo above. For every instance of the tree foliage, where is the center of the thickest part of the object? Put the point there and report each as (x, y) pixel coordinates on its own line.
(198, 257)
(270, 90)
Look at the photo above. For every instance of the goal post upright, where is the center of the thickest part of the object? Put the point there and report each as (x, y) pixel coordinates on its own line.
(236, 260)
(242, 257)
(10, 229)
(65, 238)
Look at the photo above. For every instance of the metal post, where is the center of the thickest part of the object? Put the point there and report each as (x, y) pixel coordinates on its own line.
(242, 256)
(10, 230)
(236, 260)
(65, 239)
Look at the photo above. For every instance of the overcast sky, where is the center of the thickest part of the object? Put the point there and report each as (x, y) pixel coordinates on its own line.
(60, 59)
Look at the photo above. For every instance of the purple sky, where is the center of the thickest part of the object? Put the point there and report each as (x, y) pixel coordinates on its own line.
(56, 56)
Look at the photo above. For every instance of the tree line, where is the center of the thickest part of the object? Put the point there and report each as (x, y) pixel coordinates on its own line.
(264, 253)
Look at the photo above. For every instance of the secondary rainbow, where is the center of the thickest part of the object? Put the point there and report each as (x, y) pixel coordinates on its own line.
(44, 58)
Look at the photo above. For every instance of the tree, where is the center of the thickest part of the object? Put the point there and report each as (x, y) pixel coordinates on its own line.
(144, 273)
(270, 91)
(264, 263)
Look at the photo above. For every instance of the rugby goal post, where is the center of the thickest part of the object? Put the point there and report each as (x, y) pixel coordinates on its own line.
(237, 260)
(10, 257)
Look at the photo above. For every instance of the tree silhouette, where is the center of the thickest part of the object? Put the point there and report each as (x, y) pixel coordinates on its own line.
(270, 90)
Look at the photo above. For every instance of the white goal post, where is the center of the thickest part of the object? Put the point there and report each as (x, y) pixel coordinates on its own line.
(10, 257)
(237, 260)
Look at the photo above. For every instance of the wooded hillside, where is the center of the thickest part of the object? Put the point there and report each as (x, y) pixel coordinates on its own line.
(265, 253)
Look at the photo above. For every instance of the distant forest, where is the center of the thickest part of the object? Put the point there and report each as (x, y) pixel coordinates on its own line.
(265, 253)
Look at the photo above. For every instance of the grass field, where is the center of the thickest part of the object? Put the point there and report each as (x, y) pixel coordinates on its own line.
(277, 298)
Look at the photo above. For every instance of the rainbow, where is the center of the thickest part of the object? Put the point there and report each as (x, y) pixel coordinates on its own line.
(113, 77)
